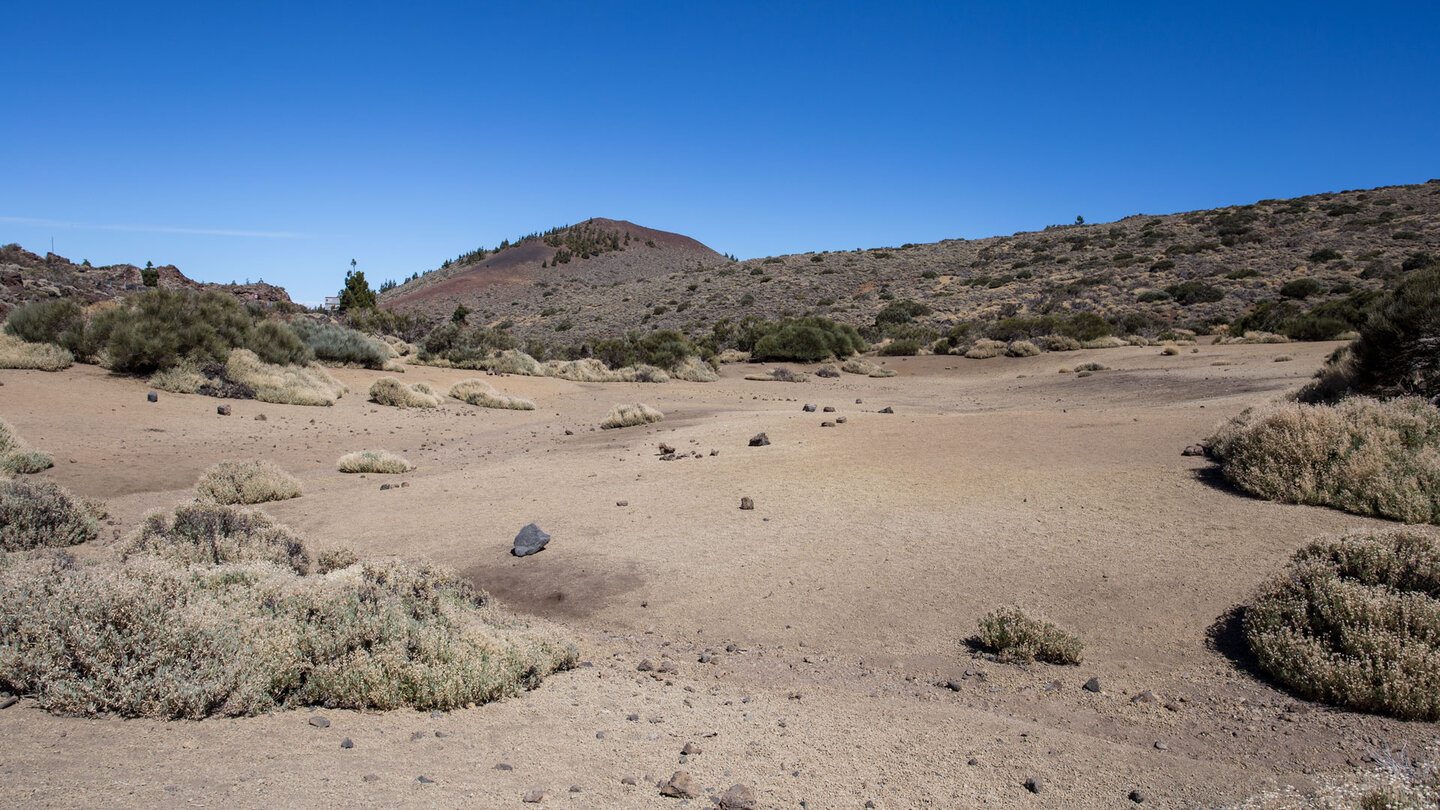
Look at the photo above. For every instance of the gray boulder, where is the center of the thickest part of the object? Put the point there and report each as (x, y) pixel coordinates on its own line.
(529, 540)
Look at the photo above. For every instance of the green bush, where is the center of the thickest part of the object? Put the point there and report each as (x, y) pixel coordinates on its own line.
(898, 312)
(1014, 636)
(333, 343)
(1194, 292)
(905, 347)
(156, 329)
(276, 343)
(1301, 288)
(61, 322)
(465, 348)
(1362, 455)
(1354, 621)
(41, 513)
(1324, 255)
(1396, 352)
(807, 340)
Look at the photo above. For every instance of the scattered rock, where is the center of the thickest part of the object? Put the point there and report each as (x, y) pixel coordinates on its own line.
(666, 666)
(369, 777)
(629, 780)
(425, 780)
(384, 487)
(746, 503)
(690, 749)
(529, 541)
(1136, 797)
(153, 396)
(260, 417)
(738, 797)
(953, 686)
(680, 786)
(1193, 450)
(808, 408)
(223, 410)
(759, 440)
(575, 788)
(840, 420)
(535, 796)
(886, 409)
(1034, 785)
(622, 503)
(827, 424)
(8, 702)
(347, 743)
(828, 409)
(504, 766)
(1161, 746)
(1092, 685)
(859, 401)
(1144, 697)
(645, 666)
(320, 722)
(666, 450)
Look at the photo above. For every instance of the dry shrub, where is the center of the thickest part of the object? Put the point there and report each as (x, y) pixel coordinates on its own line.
(859, 365)
(732, 356)
(392, 392)
(592, 370)
(985, 348)
(630, 415)
(1107, 342)
(1059, 343)
(1022, 348)
(155, 637)
(1362, 455)
(247, 482)
(514, 361)
(1283, 358)
(42, 513)
(828, 371)
(1257, 337)
(1091, 367)
(17, 353)
(181, 378)
(693, 369)
(478, 392)
(285, 385)
(1014, 636)
(779, 374)
(1355, 621)
(213, 534)
(1170, 351)
(17, 456)
(373, 461)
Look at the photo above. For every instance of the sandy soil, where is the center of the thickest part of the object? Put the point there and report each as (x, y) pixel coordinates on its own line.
(832, 610)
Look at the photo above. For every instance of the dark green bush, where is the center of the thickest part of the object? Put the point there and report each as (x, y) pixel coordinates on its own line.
(156, 329)
(61, 321)
(1236, 275)
(461, 347)
(898, 312)
(1300, 288)
(1397, 349)
(274, 342)
(1194, 292)
(1324, 255)
(807, 340)
(905, 347)
(1151, 296)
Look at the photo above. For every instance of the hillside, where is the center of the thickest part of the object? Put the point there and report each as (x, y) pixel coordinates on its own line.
(26, 277)
(1182, 269)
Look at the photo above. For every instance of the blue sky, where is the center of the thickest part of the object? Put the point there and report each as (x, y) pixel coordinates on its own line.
(281, 140)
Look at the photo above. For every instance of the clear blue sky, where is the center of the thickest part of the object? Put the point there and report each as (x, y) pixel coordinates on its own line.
(281, 140)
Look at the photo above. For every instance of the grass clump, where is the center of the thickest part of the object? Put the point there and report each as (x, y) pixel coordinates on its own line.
(476, 391)
(285, 385)
(1022, 348)
(779, 374)
(1014, 636)
(42, 513)
(985, 348)
(247, 482)
(173, 630)
(859, 365)
(1354, 620)
(17, 353)
(1365, 456)
(373, 461)
(392, 392)
(17, 456)
(630, 415)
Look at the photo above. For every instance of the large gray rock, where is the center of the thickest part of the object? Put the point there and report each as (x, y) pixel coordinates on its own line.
(529, 540)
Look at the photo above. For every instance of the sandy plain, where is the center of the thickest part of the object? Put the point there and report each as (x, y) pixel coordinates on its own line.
(836, 613)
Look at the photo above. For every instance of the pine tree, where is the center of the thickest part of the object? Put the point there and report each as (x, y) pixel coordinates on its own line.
(356, 293)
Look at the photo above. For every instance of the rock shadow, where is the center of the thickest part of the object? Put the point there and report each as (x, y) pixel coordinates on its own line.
(555, 586)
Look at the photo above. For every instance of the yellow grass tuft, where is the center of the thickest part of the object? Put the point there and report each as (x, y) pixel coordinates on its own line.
(373, 461)
(285, 385)
(629, 415)
(247, 482)
(17, 456)
(478, 392)
(985, 348)
(17, 353)
(392, 392)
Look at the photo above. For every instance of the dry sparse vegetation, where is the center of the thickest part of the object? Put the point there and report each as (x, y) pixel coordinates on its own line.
(622, 416)
(176, 630)
(41, 513)
(285, 385)
(373, 461)
(859, 365)
(17, 353)
(478, 392)
(215, 533)
(1354, 620)
(1362, 455)
(1015, 636)
(247, 482)
(17, 456)
(396, 394)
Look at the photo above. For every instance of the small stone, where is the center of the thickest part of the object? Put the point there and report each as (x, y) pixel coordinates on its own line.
(1136, 797)
(953, 686)
(622, 503)
(425, 780)
(827, 424)
(504, 766)
(759, 440)
(666, 666)
(828, 409)
(645, 666)
(320, 722)
(1193, 450)
(737, 797)
(972, 761)
(8, 702)
(260, 417)
(599, 735)
(840, 420)
(223, 410)
(680, 786)
(629, 780)
(690, 749)
(1161, 746)
(1034, 785)
(1144, 697)
(1092, 685)
(574, 788)
(808, 408)
(153, 396)
(746, 503)
(632, 717)
(886, 409)
(529, 541)
(384, 487)
(666, 449)
(347, 743)
(535, 796)
(404, 484)
(369, 777)
(859, 401)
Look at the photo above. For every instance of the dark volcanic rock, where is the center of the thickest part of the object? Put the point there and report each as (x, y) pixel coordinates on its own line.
(529, 541)
(759, 440)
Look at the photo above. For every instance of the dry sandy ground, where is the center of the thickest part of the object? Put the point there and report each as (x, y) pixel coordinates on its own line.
(842, 599)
